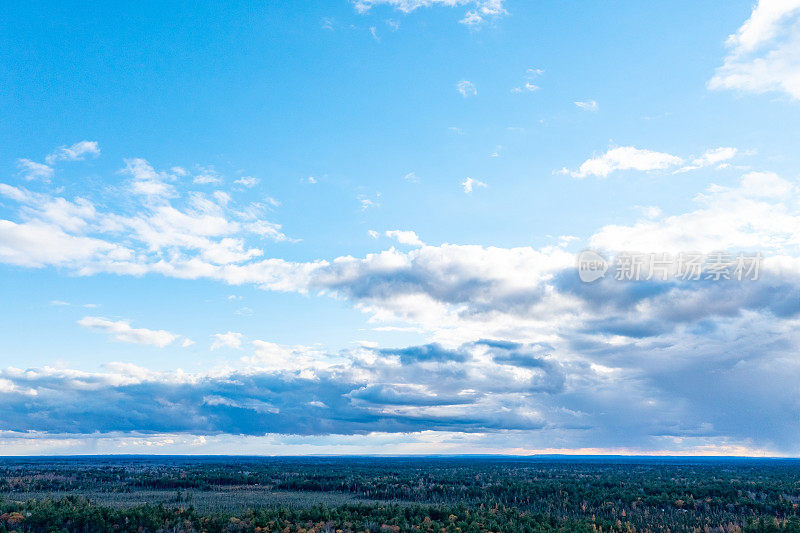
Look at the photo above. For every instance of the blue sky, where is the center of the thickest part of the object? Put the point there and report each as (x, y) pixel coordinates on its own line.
(351, 227)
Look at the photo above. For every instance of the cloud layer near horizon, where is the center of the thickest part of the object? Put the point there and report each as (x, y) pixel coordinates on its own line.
(518, 343)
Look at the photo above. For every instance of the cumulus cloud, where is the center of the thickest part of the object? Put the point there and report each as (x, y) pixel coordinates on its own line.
(632, 158)
(749, 216)
(122, 330)
(146, 181)
(764, 53)
(275, 357)
(227, 340)
(405, 237)
(161, 226)
(624, 158)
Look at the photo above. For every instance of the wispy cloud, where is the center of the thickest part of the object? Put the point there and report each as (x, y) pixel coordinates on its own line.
(587, 105)
(478, 10)
(121, 330)
(529, 86)
(77, 152)
(466, 88)
(367, 202)
(716, 156)
(32, 170)
(247, 181)
(470, 184)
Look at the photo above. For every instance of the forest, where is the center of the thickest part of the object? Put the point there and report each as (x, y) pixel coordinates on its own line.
(430, 494)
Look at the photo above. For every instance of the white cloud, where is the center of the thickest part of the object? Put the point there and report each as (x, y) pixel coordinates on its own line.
(207, 176)
(764, 185)
(373, 234)
(56, 231)
(32, 170)
(452, 292)
(121, 330)
(36, 244)
(587, 105)
(272, 356)
(631, 158)
(412, 177)
(710, 158)
(146, 181)
(469, 184)
(310, 179)
(405, 237)
(367, 202)
(76, 152)
(247, 181)
(268, 230)
(765, 51)
(466, 88)
(625, 158)
(749, 216)
(650, 211)
(527, 87)
(227, 340)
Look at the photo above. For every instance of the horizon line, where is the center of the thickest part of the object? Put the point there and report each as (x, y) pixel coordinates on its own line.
(408, 456)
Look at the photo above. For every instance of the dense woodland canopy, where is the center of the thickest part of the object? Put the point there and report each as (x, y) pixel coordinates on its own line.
(398, 494)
